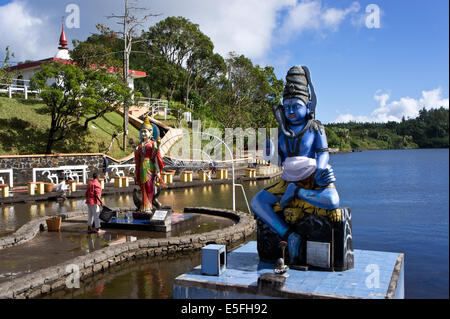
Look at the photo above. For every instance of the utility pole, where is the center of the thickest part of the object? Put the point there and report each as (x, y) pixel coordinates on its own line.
(130, 24)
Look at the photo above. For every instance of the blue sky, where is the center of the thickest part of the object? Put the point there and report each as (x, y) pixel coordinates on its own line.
(361, 74)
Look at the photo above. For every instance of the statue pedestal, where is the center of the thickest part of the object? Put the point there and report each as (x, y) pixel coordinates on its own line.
(376, 275)
(160, 221)
(325, 245)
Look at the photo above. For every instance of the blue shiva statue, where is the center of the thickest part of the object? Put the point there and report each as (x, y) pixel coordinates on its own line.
(306, 186)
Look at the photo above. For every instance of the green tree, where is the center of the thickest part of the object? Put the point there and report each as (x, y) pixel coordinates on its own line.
(6, 76)
(373, 134)
(429, 129)
(103, 92)
(248, 94)
(364, 133)
(86, 54)
(177, 110)
(70, 92)
(177, 45)
(344, 136)
(332, 138)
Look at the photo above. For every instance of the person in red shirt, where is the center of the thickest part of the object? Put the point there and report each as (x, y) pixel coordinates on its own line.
(93, 201)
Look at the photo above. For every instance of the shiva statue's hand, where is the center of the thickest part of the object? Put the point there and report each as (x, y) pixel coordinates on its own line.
(294, 241)
(288, 195)
(324, 176)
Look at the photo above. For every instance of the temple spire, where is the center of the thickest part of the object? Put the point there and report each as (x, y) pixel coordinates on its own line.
(63, 40)
(63, 52)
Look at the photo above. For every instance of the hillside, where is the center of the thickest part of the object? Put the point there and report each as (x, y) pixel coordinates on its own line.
(429, 130)
(24, 125)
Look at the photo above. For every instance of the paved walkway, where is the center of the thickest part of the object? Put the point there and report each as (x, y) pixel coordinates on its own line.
(51, 248)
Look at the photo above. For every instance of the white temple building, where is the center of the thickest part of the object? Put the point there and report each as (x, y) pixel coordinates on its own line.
(27, 70)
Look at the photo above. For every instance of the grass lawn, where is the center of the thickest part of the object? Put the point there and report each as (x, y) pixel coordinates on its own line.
(24, 125)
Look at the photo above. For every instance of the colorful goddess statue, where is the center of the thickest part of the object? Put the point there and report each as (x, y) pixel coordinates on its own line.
(149, 165)
(305, 194)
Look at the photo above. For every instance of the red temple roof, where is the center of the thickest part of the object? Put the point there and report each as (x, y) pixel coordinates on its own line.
(63, 46)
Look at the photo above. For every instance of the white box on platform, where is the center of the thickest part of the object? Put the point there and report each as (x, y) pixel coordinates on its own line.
(214, 260)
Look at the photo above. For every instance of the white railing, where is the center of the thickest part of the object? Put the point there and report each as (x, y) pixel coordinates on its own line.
(70, 172)
(10, 173)
(119, 170)
(154, 105)
(15, 87)
(230, 152)
(151, 102)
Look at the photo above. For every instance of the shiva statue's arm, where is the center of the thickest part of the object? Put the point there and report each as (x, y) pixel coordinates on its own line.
(281, 155)
(327, 198)
(321, 149)
(324, 174)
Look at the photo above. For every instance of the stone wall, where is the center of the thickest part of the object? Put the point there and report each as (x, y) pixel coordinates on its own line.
(23, 165)
(54, 278)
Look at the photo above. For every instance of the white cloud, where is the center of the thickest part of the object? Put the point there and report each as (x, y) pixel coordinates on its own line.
(249, 27)
(23, 32)
(394, 111)
(381, 98)
(245, 27)
(311, 15)
(332, 17)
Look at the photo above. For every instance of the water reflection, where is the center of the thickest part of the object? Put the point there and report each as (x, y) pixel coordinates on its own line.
(149, 278)
(41, 209)
(94, 243)
(8, 213)
(33, 211)
(14, 216)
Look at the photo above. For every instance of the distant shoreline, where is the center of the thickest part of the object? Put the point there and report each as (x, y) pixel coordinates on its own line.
(387, 149)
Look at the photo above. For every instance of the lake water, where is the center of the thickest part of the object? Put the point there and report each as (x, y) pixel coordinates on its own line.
(399, 201)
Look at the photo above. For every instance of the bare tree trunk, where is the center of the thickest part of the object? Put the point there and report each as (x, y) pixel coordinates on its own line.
(130, 23)
(126, 61)
(115, 135)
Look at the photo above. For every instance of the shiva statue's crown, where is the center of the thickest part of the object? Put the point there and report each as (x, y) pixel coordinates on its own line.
(296, 85)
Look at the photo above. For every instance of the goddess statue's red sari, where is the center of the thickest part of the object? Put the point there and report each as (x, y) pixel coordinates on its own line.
(149, 164)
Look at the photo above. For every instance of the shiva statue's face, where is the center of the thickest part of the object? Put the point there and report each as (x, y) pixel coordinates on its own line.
(295, 111)
(145, 135)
